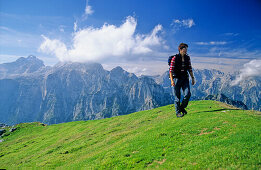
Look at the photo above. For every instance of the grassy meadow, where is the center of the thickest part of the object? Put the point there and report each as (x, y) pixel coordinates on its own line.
(212, 135)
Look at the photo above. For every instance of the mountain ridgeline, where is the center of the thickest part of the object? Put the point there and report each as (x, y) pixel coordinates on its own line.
(73, 91)
(31, 91)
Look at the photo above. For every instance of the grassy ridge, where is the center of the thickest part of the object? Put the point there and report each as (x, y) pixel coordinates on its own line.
(212, 135)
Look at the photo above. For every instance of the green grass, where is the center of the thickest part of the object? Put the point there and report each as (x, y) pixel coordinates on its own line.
(213, 135)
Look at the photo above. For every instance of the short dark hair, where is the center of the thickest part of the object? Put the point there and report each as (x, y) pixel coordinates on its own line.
(182, 45)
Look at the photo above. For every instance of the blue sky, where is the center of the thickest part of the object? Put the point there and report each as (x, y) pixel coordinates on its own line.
(138, 35)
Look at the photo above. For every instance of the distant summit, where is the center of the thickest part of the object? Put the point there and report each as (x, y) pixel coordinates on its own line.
(31, 59)
(117, 69)
(21, 66)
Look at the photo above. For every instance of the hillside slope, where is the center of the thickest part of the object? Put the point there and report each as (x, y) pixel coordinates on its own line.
(212, 135)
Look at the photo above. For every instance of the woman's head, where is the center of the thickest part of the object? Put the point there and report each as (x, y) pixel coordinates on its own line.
(183, 48)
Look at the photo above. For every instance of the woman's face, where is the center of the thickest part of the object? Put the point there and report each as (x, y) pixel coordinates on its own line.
(183, 50)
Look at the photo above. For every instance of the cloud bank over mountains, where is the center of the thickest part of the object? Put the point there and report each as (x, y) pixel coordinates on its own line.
(97, 44)
(250, 69)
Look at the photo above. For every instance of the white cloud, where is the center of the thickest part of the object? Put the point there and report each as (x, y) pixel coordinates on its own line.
(75, 26)
(88, 9)
(187, 23)
(231, 34)
(226, 59)
(212, 43)
(218, 42)
(55, 47)
(151, 67)
(138, 71)
(5, 28)
(231, 53)
(98, 44)
(227, 65)
(144, 42)
(251, 69)
(61, 28)
(177, 21)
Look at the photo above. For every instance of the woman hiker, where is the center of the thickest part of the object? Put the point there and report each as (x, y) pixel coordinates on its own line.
(180, 65)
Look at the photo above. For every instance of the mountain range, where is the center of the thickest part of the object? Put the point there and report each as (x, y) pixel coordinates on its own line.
(72, 91)
(31, 91)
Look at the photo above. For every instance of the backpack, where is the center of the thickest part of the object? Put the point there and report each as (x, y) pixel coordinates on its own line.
(169, 62)
(170, 58)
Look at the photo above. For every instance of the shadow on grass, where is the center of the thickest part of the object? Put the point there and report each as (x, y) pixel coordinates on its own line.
(215, 110)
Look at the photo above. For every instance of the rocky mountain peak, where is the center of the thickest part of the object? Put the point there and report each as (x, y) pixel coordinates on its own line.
(121, 76)
(21, 66)
(117, 69)
(31, 59)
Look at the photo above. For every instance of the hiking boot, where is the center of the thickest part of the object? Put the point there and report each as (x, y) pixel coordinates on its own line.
(179, 115)
(183, 111)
